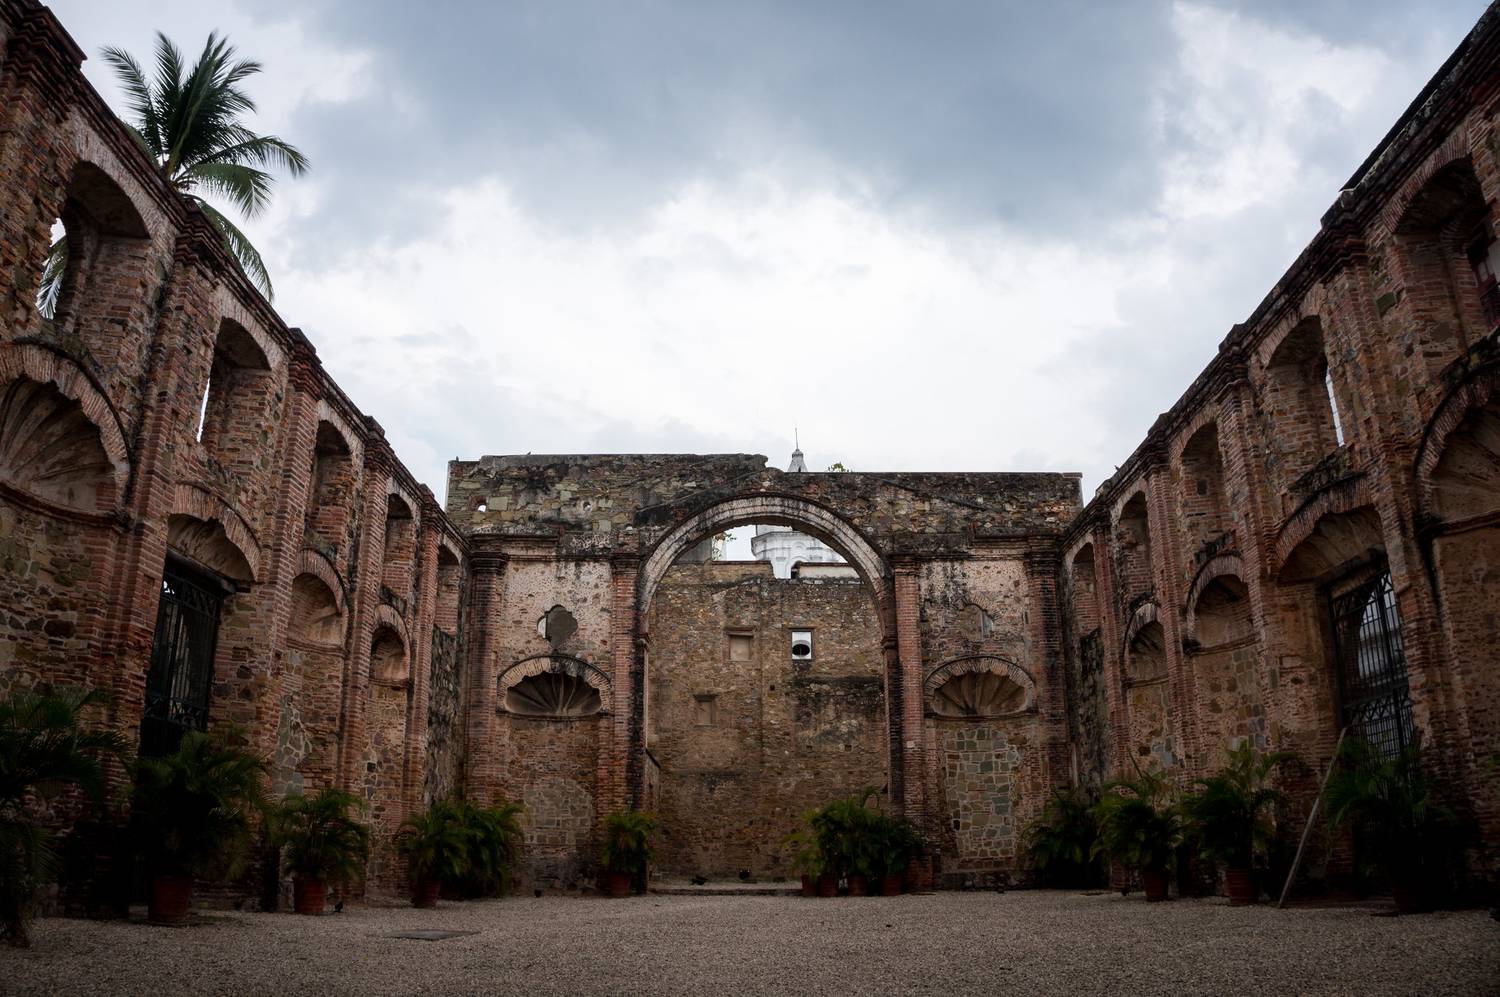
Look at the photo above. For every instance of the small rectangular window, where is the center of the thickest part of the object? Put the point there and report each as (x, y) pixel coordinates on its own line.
(802, 645)
(741, 647)
(706, 710)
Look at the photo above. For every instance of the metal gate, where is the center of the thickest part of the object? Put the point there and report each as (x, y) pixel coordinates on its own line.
(182, 661)
(1374, 700)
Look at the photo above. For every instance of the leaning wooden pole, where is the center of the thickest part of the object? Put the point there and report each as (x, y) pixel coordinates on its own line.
(1312, 818)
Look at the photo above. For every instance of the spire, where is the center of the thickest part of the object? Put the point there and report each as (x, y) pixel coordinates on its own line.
(797, 465)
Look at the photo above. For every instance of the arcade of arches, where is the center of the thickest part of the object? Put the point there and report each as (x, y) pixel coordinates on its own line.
(197, 520)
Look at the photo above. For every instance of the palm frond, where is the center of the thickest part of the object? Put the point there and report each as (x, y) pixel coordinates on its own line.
(245, 187)
(240, 248)
(140, 101)
(53, 270)
(263, 150)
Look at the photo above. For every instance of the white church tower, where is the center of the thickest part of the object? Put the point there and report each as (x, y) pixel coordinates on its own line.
(788, 550)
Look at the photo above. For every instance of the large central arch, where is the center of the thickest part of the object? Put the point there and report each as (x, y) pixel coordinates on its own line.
(815, 520)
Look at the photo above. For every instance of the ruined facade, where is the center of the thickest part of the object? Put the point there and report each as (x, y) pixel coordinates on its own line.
(195, 519)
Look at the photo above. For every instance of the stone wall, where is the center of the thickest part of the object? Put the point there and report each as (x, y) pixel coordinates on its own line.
(748, 738)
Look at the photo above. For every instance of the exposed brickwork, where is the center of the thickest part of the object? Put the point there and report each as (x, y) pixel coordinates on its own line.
(369, 639)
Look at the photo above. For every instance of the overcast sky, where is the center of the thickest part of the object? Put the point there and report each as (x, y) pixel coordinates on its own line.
(934, 236)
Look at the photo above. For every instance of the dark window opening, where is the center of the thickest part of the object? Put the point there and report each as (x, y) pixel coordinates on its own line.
(1374, 698)
(182, 659)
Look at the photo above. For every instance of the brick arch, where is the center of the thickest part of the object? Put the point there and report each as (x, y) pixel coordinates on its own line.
(555, 664)
(315, 563)
(775, 509)
(196, 503)
(1345, 498)
(387, 617)
(47, 366)
(1226, 565)
(233, 313)
(1454, 152)
(982, 664)
(1145, 614)
(1474, 394)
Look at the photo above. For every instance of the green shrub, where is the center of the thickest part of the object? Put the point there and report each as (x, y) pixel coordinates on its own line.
(1228, 818)
(494, 847)
(435, 843)
(192, 810)
(1138, 825)
(1059, 845)
(318, 836)
(627, 841)
(43, 750)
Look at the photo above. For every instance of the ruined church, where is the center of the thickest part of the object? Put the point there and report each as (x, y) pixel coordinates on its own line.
(197, 520)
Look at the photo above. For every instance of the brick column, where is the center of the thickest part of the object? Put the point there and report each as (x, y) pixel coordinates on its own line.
(1044, 601)
(909, 650)
(1111, 639)
(299, 436)
(621, 785)
(414, 767)
(365, 597)
(486, 591)
(1166, 578)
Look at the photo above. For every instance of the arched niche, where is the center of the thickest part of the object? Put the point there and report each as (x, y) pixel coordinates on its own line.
(1449, 261)
(1133, 545)
(236, 398)
(400, 545)
(317, 615)
(104, 238)
(1205, 509)
(1304, 423)
(1335, 543)
(50, 449)
(333, 486)
(553, 686)
(389, 663)
(980, 687)
(207, 544)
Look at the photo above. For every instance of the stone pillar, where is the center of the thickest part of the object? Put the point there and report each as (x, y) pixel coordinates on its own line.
(299, 436)
(623, 783)
(481, 772)
(413, 767)
(909, 651)
(364, 598)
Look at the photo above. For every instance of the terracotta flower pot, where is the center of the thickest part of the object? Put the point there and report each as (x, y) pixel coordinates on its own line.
(809, 886)
(617, 884)
(858, 885)
(424, 893)
(309, 894)
(890, 884)
(919, 875)
(1155, 882)
(828, 885)
(171, 898)
(1240, 885)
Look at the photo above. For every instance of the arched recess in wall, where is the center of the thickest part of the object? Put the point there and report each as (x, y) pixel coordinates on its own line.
(449, 590)
(236, 404)
(317, 611)
(1205, 508)
(979, 687)
(554, 686)
(397, 567)
(1302, 408)
(1152, 737)
(1450, 261)
(208, 545)
(51, 450)
(105, 238)
(1458, 502)
(774, 510)
(1082, 593)
(1133, 547)
(1218, 605)
(1222, 661)
(333, 487)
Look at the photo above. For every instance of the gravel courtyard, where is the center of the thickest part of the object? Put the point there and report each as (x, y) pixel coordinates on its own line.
(947, 943)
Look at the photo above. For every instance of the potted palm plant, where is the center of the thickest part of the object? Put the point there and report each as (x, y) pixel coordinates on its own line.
(1059, 845)
(895, 843)
(627, 849)
(435, 844)
(320, 842)
(494, 847)
(1400, 828)
(807, 860)
(191, 814)
(843, 830)
(43, 750)
(1139, 827)
(1229, 816)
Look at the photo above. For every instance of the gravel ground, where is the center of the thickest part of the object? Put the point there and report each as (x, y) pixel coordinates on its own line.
(946, 943)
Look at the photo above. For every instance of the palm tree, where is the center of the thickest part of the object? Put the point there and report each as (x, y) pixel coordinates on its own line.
(188, 122)
(43, 749)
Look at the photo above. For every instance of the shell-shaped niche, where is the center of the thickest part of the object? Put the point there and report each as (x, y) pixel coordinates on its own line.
(49, 448)
(553, 694)
(978, 694)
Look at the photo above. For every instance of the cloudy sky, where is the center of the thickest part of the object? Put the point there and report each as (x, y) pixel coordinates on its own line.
(966, 236)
